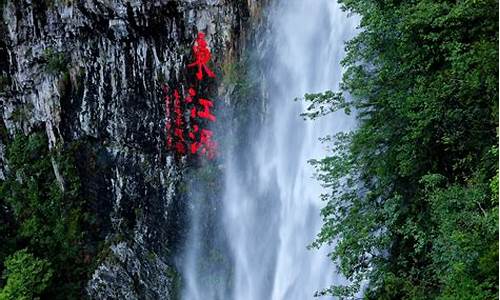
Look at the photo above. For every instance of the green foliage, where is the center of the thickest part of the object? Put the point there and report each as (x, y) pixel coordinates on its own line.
(242, 83)
(176, 282)
(237, 75)
(413, 192)
(27, 276)
(321, 104)
(44, 212)
(56, 62)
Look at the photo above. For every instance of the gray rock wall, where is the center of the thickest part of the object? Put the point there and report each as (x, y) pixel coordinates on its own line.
(92, 70)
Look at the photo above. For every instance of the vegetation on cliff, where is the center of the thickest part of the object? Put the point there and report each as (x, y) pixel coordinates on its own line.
(413, 191)
(44, 222)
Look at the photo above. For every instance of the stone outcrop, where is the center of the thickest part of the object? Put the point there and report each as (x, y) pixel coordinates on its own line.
(92, 71)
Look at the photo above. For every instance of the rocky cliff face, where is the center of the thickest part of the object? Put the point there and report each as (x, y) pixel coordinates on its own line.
(92, 71)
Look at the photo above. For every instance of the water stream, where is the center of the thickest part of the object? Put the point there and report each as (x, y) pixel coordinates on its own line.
(271, 210)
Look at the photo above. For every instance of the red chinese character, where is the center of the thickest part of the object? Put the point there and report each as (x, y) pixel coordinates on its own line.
(191, 94)
(202, 55)
(177, 109)
(200, 140)
(193, 112)
(191, 133)
(169, 142)
(180, 146)
(205, 114)
(208, 147)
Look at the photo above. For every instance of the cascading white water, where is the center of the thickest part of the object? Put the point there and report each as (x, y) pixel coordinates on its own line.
(271, 209)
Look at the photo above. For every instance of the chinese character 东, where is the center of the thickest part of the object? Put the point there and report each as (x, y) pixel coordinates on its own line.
(202, 56)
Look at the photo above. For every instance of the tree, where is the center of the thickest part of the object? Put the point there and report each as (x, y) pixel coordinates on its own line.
(27, 276)
(409, 206)
(45, 212)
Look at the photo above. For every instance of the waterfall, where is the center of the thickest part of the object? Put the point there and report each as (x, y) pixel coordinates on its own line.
(271, 203)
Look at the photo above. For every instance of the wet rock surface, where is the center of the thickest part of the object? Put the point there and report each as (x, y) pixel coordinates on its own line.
(93, 71)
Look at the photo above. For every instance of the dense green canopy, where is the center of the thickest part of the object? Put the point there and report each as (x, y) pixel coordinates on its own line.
(413, 191)
(44, 222)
